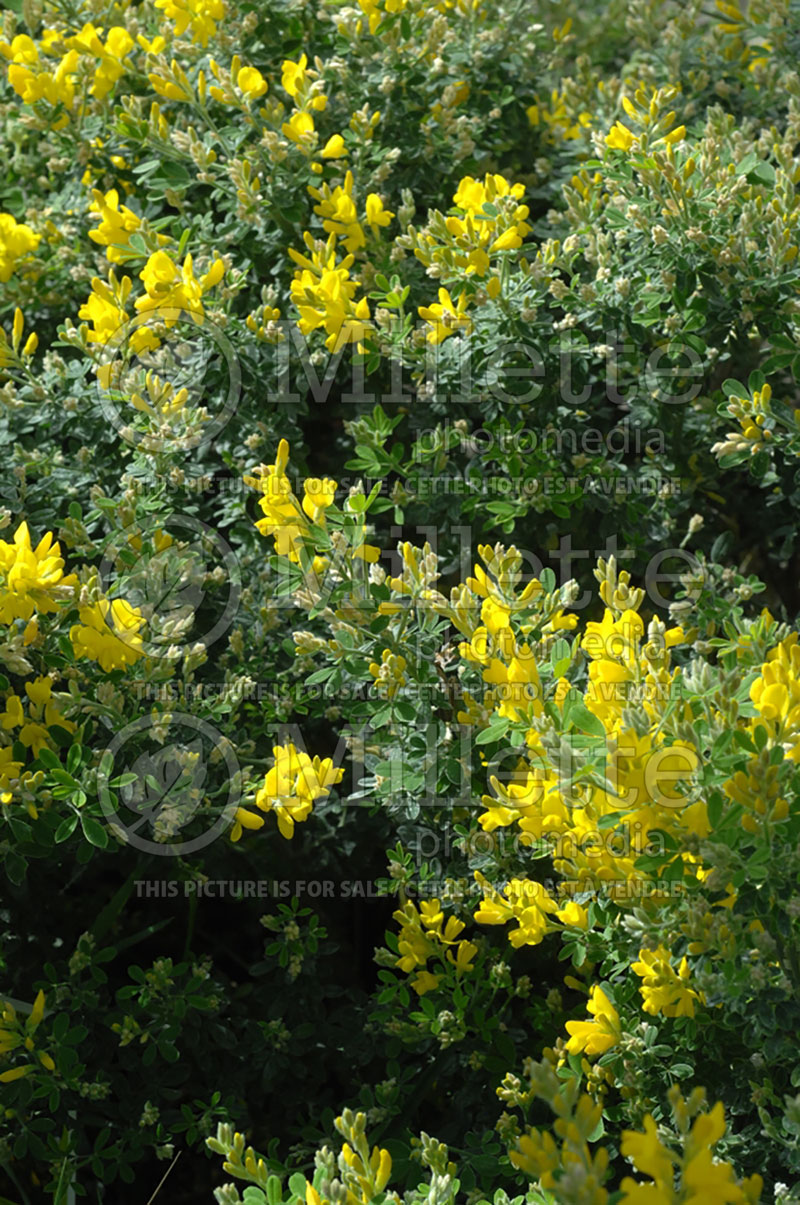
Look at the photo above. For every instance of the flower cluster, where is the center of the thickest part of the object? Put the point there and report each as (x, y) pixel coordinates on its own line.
(32, 580)
(17, 1035)
(325, 294)
(290, 790)
(673, 1178)
(424, 934)
(109, 633)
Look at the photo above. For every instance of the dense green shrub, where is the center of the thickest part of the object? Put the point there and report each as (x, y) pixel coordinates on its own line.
(400, 684)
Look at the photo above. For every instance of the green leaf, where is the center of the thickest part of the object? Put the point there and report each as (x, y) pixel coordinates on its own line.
(66, 828)
(597, 1133)
(559, 654)
(124, 780)
(20, 829)
(94, 832)
(297, 1184)
(319, 675)
(583, 719)
(74, 758)
(65, 779)
(747, 164)
(14, 199)
(714, 809)
(48, 759)
(759, 464)
(674, 872)
(494, 732)
(60, 735)
(254, 1196)
(16, 866)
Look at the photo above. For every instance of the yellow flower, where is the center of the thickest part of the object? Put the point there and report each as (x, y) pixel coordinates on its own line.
(8, 1077)
(17, 241)
(10, 771)
(104, 312)
(620, 137)
(334, 148)
(171, 290)
(31, 579)
(366, 552)
(293, 525)
(16, 1034)
(11, 355)
(492, 222)
(251, 81)
(290, 789)
(389, 675)
(200, 17)
(525, 901)
(446, 318)
(702, 1177)
(647, 113)
(675, 135)
(117, 223)
(464, 957)
(169, 89)
(664, 990)
(318, 496)
(471, 194)
(325, 295)
(648, 1153)
(243, 819)
(162, 401)
(299, 128)
(293, 75)
(377, 216)
(337, 208)
(22, 49)
(424, 982)
(108, 633)
(598, 1036)
(508, 241)
(151, 47)
(415, 944)
(105, 309)
(13, 715)
(776, 694)
(55, 87)
(111, 67)
(573, 915)
(424, 934)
